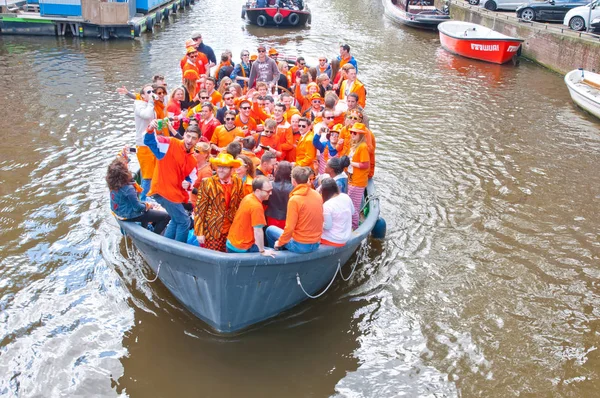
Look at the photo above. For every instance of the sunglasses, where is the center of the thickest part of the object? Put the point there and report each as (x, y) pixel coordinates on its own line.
(302, 64)
(161, 93)
(245, 55)
(197, 38)
(245, 108)
(322, 60)
(262, 51)
(229, 118)
(149, 91)
(352, 118)
(193, 55)
(228, 98)
(329, 117)
(204, 97)
(268, 131)
(353, 133)
(316, 101)
(302, 126)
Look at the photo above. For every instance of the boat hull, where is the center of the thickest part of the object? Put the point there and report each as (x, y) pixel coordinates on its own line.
(478, 42)
(428, 20)
(583, 96)
(233, 291)
(276, 17)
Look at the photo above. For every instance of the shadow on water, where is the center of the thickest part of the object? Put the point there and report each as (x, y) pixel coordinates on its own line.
(304, 351)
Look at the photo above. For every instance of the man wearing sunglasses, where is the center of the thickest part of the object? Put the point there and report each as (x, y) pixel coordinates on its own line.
(203, 48)
(226, 133)
(306, 153)
(352, 103)
(264, 69)
(229, 105)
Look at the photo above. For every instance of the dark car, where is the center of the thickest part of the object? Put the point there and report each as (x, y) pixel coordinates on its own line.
(550, 10)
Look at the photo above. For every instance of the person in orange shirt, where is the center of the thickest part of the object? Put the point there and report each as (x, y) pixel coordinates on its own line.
(304, 101)
(215, 96)
(358, 170)
(207, 121)
(226, 133)
(268, 140)
(356, 116)
(316, 107)
(304, 217)
(246, 232)
(344, 142)
(194, 60)
(297, 70)
(243, 120)
(306, 153)
(246, 173)
(284, 133)
(290, 109)
(353, 85)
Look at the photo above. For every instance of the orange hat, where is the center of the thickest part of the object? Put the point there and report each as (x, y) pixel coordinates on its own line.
(226, 160)
(359, 128)
(337, 128)
(273, 51)
(239, 101)
(191, 74)
(253, 57)
(316, 96)
(190, 43)
(190, 49)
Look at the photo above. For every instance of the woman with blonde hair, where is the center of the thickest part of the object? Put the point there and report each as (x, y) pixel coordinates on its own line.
(284, 80)
(224, 85)
(236, 90)
(190, 89)
(358, 171)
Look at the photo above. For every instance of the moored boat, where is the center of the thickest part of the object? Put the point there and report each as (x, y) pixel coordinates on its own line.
(584, 87)
(294, 13)
(478, 42)
(416, 13)
(232, 291)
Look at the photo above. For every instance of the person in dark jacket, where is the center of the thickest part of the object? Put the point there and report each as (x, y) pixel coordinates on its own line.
(277, 203)
(124, 202)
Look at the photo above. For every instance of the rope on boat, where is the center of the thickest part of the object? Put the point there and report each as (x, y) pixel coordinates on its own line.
(353, 265)
(327, 288)
(155, 277)
(369, 199)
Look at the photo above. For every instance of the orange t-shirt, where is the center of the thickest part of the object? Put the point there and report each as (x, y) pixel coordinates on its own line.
(344, 147)
(247, 127)
(286, 140)
(201, 62)
(222, 137)
(250, 215)
(248, 185)
(360, 177)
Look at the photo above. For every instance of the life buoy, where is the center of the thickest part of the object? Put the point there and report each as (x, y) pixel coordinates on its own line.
(278, 18)
(293, 19)
(261, 20)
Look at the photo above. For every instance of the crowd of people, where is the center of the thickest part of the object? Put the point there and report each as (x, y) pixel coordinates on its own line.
(257, 155)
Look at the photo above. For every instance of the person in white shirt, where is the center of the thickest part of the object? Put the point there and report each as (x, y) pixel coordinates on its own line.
(337, 214)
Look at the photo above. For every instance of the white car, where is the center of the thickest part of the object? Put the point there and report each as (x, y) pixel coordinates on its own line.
(510, 5)
(578, 18)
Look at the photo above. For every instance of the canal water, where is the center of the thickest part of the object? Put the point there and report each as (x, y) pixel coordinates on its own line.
(487, 284)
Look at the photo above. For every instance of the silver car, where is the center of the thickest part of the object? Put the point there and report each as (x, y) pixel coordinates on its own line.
(493, 5)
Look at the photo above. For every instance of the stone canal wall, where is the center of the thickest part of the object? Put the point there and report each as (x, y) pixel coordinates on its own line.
(554, 46)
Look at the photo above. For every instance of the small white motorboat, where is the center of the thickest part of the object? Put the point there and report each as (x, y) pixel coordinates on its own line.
(584, 87)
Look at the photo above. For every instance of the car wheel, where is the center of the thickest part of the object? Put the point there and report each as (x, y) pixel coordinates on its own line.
(528, 15)
(577, 23)
(473, 2)
(490, 5)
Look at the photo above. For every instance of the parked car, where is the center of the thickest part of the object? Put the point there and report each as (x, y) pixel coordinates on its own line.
(595, 25)
(578, 18)
(550, 10)
(510, 5)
